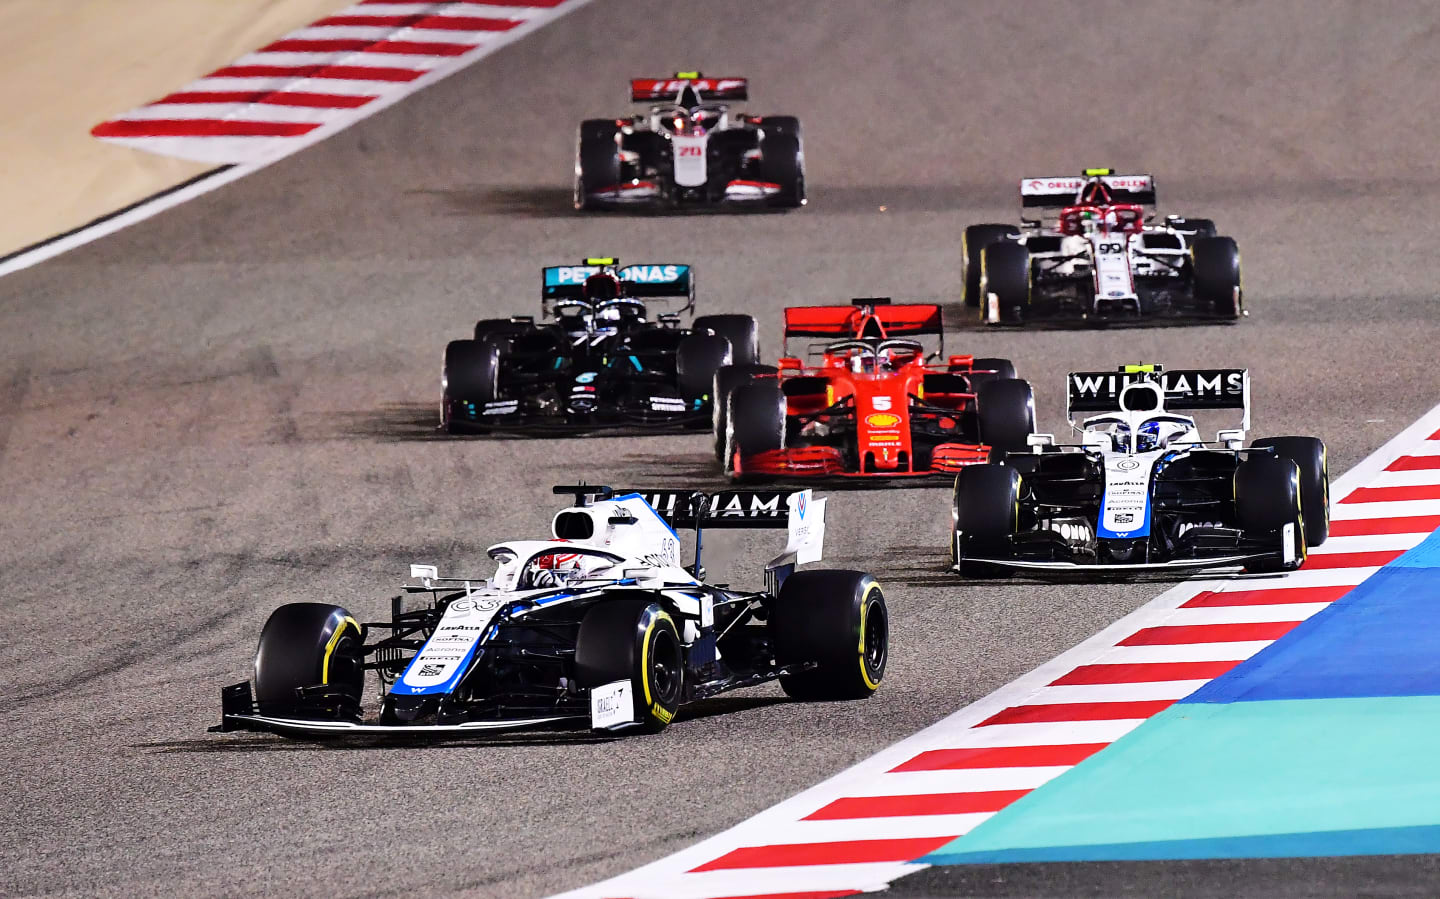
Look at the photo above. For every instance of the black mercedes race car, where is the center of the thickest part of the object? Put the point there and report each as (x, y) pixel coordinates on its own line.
(1142, 489)
(690, 150)
(596, 359)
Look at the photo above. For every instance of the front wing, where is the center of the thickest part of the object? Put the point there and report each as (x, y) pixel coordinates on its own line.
(829, 462)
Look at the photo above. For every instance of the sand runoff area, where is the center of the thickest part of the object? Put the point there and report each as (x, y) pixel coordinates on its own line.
(71, 64)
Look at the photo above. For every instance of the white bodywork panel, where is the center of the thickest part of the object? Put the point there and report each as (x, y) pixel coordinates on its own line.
(689, 157)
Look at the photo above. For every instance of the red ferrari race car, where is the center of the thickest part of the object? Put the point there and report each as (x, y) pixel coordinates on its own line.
(873, 400)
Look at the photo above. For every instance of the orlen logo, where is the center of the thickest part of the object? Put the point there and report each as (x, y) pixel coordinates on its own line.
(882, 419)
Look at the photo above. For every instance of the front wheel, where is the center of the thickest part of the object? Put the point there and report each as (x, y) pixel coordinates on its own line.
(1268, 505)
(782, 163)
(1308, 454)
(756, 422)
(975, 240)
(1215, 263)
(985, 509)
(310, 644)
(634, 640)
(837, 621)
(727, 380)
(1004, 283)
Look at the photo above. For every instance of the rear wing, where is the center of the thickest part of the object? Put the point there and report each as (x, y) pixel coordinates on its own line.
(798, 511)
(904, 320)
(1094, 392)
(1059, 192)
(642, 281)
(643, 90)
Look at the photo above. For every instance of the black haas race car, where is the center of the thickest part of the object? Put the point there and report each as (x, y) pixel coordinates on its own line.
(1142, 489)
(596, 359)
(1100, 259)
(690, 150)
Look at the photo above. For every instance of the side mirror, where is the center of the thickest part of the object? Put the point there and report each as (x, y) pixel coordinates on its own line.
(1233, 439)
(790, 364)
(1038, 441)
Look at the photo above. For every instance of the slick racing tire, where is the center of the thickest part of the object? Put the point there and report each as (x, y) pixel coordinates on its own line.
(597, 161)
(985, 508)
(1267, 502)
(1308, 454)
(757, 420)
(1005, 272)
(976, 239)
(305, 644)
(1215, 263)
(740, 330)
(697, 359)
(472, 372)
(727, 379)
(837, 621)
(782, 163)
(988, 369)
(1006, 413)
(634, 640)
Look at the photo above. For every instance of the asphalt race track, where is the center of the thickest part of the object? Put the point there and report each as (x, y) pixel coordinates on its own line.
(232, 405)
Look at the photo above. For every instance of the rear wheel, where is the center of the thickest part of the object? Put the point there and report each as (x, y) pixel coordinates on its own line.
(697, 359)
(1308, 454)
(1215, 263)
(308, 644)
(990, 370)
(1005, 275)
(727, 379)
(597, 161)
(1267, 505)
(782, 163)
(757, 420)
(838, 621)
(634, 640)
(976, 239)
(740, 330)
(985, 508)
(1006, 412)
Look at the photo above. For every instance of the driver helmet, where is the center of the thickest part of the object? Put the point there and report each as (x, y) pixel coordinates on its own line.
(1112, 220)
(601, 286)
(1088, 221)
(559, 568)
(1149, 437)
(862, 363)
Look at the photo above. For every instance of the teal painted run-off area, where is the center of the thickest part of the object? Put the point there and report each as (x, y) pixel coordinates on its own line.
(1327, 742)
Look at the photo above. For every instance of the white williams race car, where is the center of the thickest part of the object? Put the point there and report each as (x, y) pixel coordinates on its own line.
(600, 626)
(1143, 488)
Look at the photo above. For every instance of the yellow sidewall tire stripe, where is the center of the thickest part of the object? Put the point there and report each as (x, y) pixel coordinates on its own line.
(335, 641)
(864, 622)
